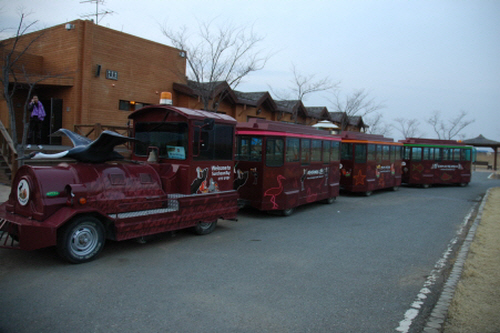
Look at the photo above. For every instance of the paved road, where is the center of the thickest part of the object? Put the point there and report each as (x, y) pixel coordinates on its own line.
(353, 266)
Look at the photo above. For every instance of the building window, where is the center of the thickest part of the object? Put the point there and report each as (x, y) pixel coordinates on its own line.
(130, 105)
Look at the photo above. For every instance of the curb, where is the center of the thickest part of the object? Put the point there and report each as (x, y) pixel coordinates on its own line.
(436, 321)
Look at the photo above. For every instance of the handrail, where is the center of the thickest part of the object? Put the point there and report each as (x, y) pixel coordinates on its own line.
(8, 150)
(93, 131)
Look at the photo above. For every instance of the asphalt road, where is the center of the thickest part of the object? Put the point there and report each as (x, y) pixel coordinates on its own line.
(352, 266)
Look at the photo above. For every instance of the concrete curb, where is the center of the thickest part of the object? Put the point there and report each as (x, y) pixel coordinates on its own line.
(435, 323)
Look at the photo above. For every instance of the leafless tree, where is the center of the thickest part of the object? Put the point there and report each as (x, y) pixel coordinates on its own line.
(409, 128)
(376, 124)
(214, 55)
(302, 85)
(16, 76)
(450, 128)
(357, 104)
(12, 51)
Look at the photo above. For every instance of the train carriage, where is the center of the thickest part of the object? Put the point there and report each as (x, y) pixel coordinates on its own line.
(182, 178)
(369, 162)
(430, 161)
(280, 166)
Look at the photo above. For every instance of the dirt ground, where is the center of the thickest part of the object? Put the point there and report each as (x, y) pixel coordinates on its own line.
(476, 305)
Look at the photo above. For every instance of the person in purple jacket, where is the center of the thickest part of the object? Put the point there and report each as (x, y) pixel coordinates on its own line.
(36, 119)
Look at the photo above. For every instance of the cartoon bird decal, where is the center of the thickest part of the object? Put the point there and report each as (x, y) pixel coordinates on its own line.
(273, 192)
(200, 180)
(241, 179)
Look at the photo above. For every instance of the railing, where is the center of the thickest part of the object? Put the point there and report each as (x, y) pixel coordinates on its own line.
(93, 131)
(9, 152)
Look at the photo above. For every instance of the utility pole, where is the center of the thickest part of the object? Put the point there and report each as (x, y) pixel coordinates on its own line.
(97, 13)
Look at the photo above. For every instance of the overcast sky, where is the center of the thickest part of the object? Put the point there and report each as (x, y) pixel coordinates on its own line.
(414, 56)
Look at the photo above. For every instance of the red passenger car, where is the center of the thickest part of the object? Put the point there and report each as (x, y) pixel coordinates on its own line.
(281, 166)
(369, 162)
(182, 178)
(429, 161)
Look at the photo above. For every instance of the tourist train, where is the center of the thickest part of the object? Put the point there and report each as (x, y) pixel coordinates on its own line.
(190, 168)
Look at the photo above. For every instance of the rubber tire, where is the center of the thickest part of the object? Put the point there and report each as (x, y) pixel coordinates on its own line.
(287, 212)
(204, 228)
(89, 230)
(329, 201)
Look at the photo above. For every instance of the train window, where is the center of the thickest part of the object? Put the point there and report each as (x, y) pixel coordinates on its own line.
(326, 151)
(467, 154)
(456, 155)
(274, 152)
(335, 151)
(428, 154)
(379, 153)
(385, 156)
(292, 149)
(215, 144)
(171, 139)
(416, 154)
(371, 152)
(360, 153)
(447, 154)
(346, 151)
(438, 154)
(305, 150)
(392, 153)
(316, 151)
(406, 153)
(248, 149)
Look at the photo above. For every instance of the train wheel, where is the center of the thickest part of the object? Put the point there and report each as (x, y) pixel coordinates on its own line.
(329, 200)
(81, 240)
(287, 212)
(204, 228)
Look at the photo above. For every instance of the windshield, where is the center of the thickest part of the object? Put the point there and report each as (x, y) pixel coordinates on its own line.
(170, 138)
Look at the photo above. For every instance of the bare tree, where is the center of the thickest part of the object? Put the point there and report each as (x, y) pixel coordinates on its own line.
(409, 128)
(12, 52)
(16, 76)
(376, 124)
(448, 129)
(216, 55)
(357, 104)
(302, 85)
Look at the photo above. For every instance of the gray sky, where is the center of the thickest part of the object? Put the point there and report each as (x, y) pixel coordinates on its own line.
(413, 56)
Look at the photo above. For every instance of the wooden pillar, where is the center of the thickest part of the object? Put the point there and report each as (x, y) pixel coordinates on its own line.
(495, 160)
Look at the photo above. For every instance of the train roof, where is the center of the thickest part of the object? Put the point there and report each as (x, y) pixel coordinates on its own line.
(269, 126)
(189, 114)
(434, 142)
(358, 136)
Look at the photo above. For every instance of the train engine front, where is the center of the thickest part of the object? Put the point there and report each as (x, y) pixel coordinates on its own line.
(181, 177)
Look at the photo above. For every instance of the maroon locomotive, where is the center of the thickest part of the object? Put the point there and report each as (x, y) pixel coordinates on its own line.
(181, 177)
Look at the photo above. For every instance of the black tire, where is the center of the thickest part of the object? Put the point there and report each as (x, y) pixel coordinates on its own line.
(81, 240)
(287, 212)
(329, 200)
(204, 228)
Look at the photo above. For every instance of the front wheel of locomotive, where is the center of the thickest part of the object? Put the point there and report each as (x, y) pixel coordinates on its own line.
(204, 228)
(81, 240)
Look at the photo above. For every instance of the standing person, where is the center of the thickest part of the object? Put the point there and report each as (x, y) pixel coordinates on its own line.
(36, 119)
